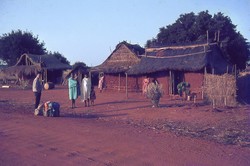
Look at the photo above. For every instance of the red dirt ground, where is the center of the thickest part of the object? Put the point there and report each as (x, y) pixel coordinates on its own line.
(120, 131)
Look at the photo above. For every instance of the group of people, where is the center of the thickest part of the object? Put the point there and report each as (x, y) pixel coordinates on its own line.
(85, 90)
(76, 89)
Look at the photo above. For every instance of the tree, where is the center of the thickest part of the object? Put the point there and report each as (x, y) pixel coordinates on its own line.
(16, 43)
(191, 28)
(79, 65)
(60, 57)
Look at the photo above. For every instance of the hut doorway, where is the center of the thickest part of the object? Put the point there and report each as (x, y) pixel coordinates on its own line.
(176, 77)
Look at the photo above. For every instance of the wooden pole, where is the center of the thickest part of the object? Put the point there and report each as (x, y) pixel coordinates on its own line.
(46, 75)
(126, 85)
(218, 36)
(170, 83)
(213, 103)
(207, 37)
(173, 82)
(90, 76)
(204, 83)
(235, 71)
(119, 82)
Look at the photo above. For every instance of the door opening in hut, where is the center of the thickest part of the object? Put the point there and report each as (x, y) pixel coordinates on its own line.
(177, 77)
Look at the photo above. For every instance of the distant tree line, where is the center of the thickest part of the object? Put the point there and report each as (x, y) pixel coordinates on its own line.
(203, 27)
(16, 43)
(187, 29)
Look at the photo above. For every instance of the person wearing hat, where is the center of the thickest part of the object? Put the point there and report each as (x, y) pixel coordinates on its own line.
(37, 89)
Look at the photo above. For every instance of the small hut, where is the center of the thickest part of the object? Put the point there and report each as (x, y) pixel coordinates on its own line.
(28, 65)
(115, 66)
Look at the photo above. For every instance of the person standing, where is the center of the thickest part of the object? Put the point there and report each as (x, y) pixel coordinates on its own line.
(37, 89)
(86, 88)
(145, 85)
(101, 82)
(73, 92)
(92, 96)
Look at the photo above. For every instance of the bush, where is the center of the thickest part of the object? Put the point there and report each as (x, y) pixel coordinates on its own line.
(183, 87)
(154, 91)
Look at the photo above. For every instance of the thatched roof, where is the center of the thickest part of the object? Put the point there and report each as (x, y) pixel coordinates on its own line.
(22, 69)
(49, 62)
(187, 58)
(121, 59)
(30, 64)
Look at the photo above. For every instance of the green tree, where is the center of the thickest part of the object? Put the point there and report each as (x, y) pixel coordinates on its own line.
(60, 57)
(191, 28)
(81, 65)
(16, 43)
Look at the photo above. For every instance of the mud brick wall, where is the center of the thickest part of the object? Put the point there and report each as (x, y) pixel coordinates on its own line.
(196, 83)
(112, 82)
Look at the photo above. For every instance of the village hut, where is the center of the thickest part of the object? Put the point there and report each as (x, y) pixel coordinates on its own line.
(29, 64)
(115, 66)
(175, 64)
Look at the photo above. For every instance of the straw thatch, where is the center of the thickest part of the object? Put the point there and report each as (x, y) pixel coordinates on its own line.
(186, 58)
(22, 70)
(221, 90)
(121, 59)
(29, 64)
(49, 62)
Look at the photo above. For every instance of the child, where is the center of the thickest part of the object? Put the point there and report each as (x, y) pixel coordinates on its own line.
(92, 96)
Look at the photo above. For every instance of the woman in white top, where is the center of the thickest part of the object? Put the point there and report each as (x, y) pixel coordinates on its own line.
(86, 88)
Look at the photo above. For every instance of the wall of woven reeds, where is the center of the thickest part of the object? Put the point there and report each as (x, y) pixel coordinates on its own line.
(220, 90)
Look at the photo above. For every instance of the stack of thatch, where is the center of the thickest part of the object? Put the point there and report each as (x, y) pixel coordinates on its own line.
(22, 70)
(220, 89)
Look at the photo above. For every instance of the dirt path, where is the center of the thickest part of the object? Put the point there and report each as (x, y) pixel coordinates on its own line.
(90, 138)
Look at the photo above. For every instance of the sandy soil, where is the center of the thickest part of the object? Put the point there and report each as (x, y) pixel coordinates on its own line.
(121, 131)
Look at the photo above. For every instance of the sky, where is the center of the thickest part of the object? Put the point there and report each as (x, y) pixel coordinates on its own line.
(89, 30)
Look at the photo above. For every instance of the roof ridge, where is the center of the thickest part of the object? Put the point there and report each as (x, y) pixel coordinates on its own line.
(176, 47)
(175, 56)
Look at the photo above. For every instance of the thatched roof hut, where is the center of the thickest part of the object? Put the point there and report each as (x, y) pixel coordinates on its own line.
(186, 58)
(48, 62)
(121, 59)
(114, 67)
(29, 64)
